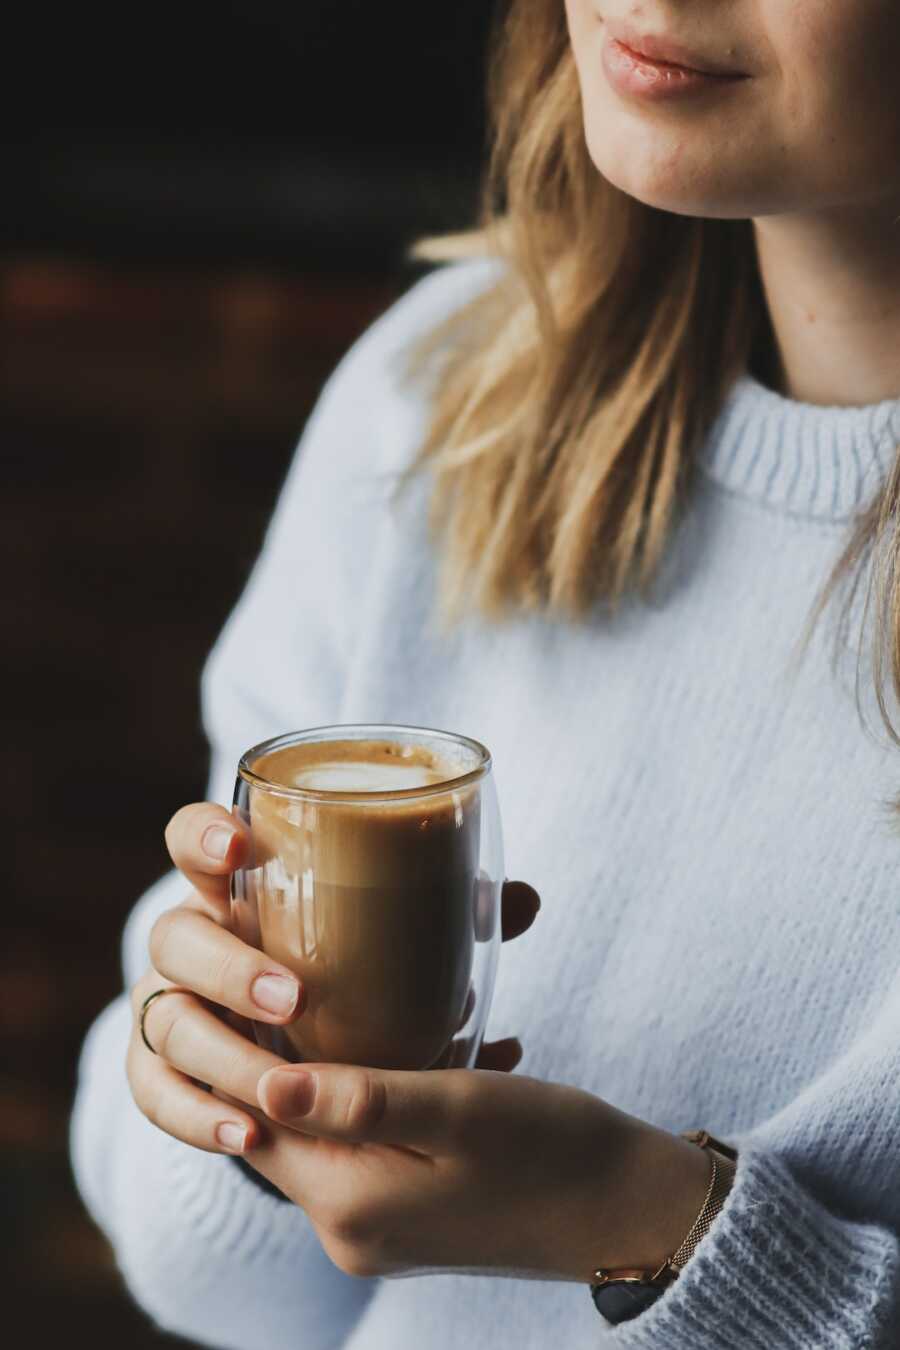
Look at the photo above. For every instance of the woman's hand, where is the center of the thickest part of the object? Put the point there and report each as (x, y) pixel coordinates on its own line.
(474, 1171)
(201, 1037)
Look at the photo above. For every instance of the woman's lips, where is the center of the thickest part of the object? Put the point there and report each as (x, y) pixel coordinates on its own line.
(631, 72)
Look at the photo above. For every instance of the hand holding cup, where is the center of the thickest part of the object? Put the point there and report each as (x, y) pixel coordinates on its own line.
(223, 985)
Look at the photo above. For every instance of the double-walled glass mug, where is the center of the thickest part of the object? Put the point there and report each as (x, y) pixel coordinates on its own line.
(375, 874)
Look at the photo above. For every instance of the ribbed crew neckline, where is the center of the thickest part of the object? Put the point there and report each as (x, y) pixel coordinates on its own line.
(823, 462)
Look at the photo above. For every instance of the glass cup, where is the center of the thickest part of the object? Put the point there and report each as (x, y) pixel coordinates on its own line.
(384, 900)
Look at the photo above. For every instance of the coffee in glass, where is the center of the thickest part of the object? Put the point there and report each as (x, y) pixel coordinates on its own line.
(375, 876)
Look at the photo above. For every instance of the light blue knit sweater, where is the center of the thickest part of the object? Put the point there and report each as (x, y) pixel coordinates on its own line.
(718, 944)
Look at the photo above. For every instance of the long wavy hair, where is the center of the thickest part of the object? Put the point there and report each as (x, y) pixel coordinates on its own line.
(572, 394)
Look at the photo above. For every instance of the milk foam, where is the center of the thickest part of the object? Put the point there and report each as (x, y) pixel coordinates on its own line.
(364, 776)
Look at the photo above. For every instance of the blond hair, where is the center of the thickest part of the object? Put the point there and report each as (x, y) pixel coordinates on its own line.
(573, 393)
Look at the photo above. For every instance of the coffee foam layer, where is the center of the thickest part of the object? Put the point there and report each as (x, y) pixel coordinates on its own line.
(364, 776)
(362, 766)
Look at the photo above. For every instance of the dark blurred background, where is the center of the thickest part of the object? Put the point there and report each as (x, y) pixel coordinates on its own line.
(202, 208)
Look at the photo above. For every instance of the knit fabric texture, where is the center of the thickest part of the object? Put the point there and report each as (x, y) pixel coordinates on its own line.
(704, 815)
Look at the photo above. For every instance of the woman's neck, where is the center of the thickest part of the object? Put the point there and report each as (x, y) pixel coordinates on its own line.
(832, 290)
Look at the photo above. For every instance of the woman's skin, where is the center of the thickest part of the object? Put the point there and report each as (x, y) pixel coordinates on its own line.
(482, 1169)
(808, 147)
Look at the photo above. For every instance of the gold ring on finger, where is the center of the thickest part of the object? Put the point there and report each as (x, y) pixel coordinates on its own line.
(157, 993)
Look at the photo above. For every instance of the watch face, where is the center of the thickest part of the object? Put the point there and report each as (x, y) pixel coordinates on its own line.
(623, 1299)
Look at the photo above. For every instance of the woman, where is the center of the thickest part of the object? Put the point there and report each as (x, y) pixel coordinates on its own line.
(653, 421)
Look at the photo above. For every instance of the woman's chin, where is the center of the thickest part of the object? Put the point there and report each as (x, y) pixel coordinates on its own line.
(660, 182)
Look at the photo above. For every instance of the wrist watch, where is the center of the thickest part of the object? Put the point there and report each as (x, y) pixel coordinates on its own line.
(620, 1295)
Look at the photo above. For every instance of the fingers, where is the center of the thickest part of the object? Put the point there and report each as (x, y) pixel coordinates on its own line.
(344, 1101)
(502, 1056)
(189, 1037)
(189, 949)
(178, 1106)
(521, 903)
(206, 843)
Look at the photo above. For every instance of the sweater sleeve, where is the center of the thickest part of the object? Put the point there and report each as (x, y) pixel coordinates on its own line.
(777, 1271)
(205, 1251)
(795, 1259)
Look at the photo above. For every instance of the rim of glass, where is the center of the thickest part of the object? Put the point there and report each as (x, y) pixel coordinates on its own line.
(391, 730)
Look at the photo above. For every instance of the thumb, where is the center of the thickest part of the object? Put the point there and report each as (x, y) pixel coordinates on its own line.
(360, 1105)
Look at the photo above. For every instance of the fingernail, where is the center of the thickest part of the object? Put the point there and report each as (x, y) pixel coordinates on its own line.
(231, 1136)
(296, 1093)
(275, 993)
(216, 839)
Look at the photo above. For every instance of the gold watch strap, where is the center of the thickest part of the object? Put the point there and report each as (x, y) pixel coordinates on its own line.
(723, 1164)
(723, 1160)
